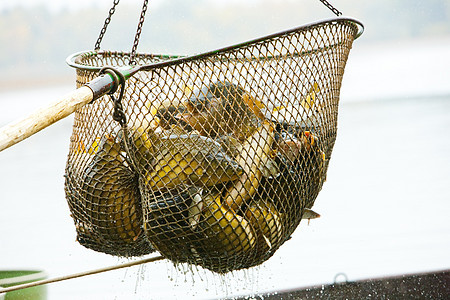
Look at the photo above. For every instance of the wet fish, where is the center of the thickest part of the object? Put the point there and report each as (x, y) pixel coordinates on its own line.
(309, 214)
(105, 203)
(222, 108)
(229, 232)
(190, 159)
(267, 221)
(252, 158)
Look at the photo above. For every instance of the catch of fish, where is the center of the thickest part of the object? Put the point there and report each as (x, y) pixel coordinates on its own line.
(219, 180)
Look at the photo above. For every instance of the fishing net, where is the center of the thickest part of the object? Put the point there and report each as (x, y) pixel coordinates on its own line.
(218, 156)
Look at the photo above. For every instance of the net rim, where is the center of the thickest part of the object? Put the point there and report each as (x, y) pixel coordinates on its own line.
(72, 60)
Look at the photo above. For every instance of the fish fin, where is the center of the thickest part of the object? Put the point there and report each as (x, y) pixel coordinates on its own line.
(266, 239)
(254, 105)
(187, 90)
(195, 210)
(270, 169)
(277, 108)
(310, 100)
(310, 214)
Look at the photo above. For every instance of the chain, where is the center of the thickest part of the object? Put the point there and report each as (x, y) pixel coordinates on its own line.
(107, 21)
(118, 114)
(119, 82)
(331, 7)
(138, 33)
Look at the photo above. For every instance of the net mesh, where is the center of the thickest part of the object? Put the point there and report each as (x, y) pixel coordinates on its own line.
(221, 154)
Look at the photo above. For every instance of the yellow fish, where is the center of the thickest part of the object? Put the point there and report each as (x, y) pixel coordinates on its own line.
(222, 108)
(253, 157)
(267, 221)
(105, 202)
(233, 233)
(190, 159)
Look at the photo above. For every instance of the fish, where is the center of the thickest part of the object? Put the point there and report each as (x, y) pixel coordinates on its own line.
(170, 220)
(140, 146)
(229, 233)
(267, 221)
(222, 108)
(170, 116)
(191, 224)
(292, 193)
(230, 144)
(190, 159)
(105, 202)
(252, 158)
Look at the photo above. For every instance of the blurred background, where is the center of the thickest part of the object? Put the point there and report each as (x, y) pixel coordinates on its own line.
(384, 208)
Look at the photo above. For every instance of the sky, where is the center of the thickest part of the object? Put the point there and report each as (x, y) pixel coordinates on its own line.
(56, 5)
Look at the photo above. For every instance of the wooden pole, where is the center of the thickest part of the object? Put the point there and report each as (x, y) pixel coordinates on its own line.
(18, 131)
(44, 117)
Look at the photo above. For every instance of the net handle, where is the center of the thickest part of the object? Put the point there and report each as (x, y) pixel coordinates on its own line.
(18, 131)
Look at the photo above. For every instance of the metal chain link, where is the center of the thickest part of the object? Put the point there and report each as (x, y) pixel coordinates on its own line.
(138, 33)
(107, 21)
(331, 7)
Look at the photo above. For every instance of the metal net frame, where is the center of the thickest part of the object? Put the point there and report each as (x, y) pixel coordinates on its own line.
(219, 155)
